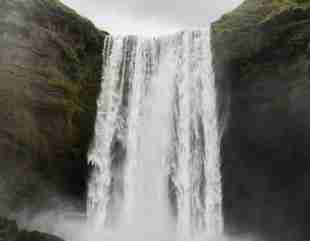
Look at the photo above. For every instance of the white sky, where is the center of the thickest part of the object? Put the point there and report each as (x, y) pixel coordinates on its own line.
(151, 17)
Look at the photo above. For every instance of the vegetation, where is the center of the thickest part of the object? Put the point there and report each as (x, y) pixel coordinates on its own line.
(252, 12)
(258, 24)
(50, 78)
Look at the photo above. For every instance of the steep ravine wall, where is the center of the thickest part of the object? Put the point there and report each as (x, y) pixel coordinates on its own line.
(50, 75)
(262, 64)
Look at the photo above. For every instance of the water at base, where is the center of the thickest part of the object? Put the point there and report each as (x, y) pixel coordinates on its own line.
(155, 154)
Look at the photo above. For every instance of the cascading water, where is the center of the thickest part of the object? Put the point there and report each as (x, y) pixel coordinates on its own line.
(156, 147)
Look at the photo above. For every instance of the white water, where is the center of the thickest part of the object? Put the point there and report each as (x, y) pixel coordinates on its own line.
(156, 146)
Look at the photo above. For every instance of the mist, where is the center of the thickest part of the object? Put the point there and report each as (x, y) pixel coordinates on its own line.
(151, 17)
(73, 226)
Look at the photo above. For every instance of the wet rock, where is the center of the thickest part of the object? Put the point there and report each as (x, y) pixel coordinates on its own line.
(10, 232)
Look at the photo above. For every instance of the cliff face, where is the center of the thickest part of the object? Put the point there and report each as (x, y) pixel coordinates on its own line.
(262, 64)
(50, 67)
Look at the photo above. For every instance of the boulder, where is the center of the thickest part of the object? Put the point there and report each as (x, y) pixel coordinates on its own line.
(10, 232)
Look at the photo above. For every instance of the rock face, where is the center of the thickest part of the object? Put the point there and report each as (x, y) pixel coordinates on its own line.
(10, 232)
(50, 72)
(262, 64)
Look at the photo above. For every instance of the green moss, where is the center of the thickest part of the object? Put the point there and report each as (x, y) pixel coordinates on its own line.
(252, 12)
(261, 24)
(51, 79)
(60, 5)
(81, 69)
(285, 3)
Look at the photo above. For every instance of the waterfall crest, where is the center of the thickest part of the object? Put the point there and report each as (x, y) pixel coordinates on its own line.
(156, 147)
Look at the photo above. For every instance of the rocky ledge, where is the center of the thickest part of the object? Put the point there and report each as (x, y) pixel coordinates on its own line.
(10, 232)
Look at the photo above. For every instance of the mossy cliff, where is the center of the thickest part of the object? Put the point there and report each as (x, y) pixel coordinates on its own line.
(262, 64)
(50, 74)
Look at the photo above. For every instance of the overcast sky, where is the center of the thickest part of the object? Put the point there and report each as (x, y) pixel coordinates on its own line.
(151, 16)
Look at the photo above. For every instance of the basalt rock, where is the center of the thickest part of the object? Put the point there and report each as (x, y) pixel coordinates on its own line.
(262, 64)
(50, 75)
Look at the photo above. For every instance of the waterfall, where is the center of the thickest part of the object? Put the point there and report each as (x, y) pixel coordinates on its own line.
(155, 153)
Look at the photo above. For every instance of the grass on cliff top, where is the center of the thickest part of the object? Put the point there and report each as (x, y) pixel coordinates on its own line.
(291, 2)
(59, 4)
(252, 12)
(58, 8)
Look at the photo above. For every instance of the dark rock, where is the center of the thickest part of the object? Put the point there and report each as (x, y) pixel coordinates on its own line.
(35, 236)
(261, 59)
(10, 232)
(50, 75)
(8, 229)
